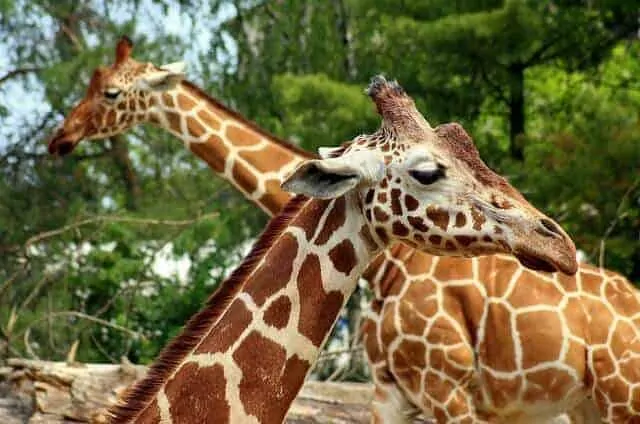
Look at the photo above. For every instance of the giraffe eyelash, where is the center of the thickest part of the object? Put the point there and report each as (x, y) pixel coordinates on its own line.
(112, 93)
(428, 177)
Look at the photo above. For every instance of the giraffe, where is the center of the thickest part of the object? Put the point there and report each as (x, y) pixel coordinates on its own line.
(485, 340)
(238, 143)
(246, 354)
(130, 93)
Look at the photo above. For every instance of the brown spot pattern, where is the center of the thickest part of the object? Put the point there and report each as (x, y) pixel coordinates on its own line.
(209, 120)
(465, 241)
(334, 221)
(221, 337)
(478, 219)
(244, 177)
(418, 223)
(343, 256)
(167, 99)
(274, 199)
(368, 215)
(400, 229)
(185, 103)
(498, 352)
(529, 292)
(270, 159)
(409, 356)
(277, 315)
(275, 272)
(538, 333)
(195, 128)
(242, 136)
(379, 214)
(435, 239)
(269, 381)
(310, 219)
(111, 117)
(205, 405)
(439, 217)
(461, 220)
(503, 390)
(318, 309)
(382, 235)
(214, 152)
(368, 198)
(551, 385)
(174, 120)
(396, 206)
(411, 202)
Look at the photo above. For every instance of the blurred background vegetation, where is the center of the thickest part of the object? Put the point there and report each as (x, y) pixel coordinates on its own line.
(107, 252)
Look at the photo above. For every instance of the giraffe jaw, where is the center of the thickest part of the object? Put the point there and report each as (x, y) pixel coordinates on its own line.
(538, 261)
(535, 263)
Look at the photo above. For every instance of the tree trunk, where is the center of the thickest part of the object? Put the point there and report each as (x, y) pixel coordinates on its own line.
(342, 26)
(516, 111)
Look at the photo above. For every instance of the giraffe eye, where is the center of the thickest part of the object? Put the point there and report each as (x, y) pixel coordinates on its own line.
(112, 93)
(428, 176)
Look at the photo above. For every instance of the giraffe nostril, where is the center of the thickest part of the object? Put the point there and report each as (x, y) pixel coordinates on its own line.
(548, 226)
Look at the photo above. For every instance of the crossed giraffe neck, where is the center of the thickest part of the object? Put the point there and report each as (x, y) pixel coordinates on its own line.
(245, 356)
(255, 162)
(252, 159)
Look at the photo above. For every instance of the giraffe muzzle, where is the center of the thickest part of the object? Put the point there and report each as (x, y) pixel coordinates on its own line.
(61, 144)
(547, 248)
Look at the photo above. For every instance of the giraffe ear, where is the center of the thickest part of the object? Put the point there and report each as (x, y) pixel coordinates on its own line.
(163, 78)
(175, 67)
(327, 152)
(333, 177)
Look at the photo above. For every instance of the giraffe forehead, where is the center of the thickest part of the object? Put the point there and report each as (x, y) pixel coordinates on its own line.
(126, 73)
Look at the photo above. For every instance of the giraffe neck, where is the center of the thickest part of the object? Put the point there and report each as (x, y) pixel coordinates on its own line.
(253, 160)
(245, 356)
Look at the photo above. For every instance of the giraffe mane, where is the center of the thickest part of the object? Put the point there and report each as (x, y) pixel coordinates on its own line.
(238, 117)
(141, 394)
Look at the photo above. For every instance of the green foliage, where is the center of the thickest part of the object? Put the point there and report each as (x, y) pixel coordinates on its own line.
(320, 111)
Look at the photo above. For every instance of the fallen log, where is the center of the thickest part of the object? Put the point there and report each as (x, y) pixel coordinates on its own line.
(39, 392)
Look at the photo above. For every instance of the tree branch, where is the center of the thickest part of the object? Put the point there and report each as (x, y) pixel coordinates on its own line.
(99, 219)
(80, 315)
(17, 72)
(619, 215)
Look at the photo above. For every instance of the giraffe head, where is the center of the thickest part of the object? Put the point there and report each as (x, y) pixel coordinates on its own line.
(428, 187)
(118, 97)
